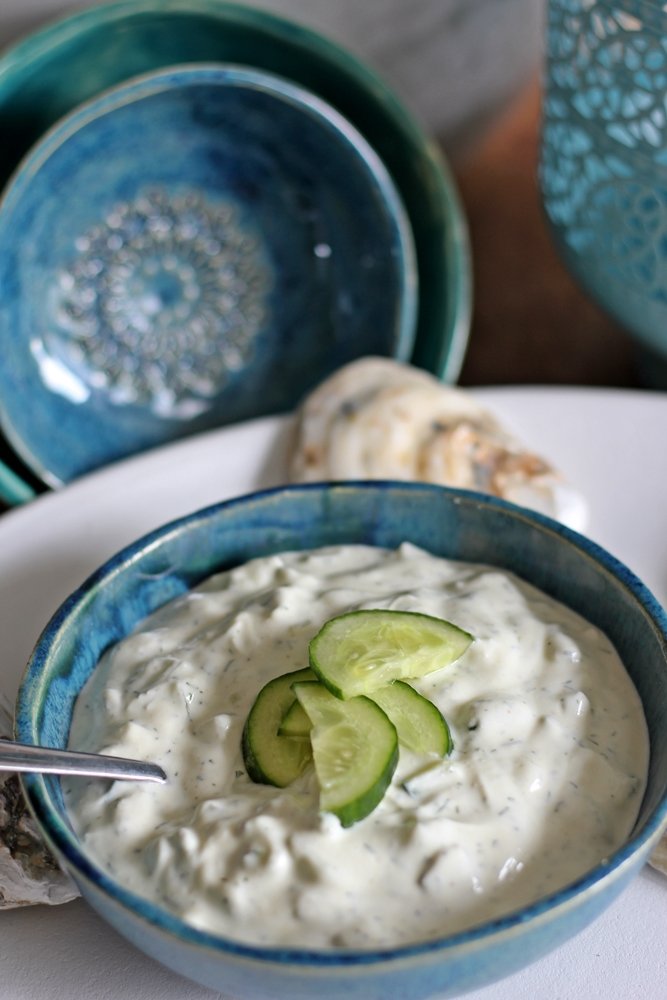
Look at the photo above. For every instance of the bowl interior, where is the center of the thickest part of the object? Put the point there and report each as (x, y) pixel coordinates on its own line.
(51, 72)
(196, 247)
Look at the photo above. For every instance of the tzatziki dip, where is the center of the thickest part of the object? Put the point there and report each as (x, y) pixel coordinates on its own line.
(545, 779)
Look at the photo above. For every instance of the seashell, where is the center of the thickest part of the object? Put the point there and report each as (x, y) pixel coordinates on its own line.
(29, 874)
(380, 419)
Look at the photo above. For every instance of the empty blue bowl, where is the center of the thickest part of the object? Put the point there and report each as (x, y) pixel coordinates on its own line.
(198, 246)
(450, 523)
(52, 71)
(49, 73)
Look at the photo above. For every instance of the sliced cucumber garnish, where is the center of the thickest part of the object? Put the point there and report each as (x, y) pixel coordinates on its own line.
(355, 751)
(419, 723)
(350, 709)
(358, 652)
(271, 759)
(296, 723)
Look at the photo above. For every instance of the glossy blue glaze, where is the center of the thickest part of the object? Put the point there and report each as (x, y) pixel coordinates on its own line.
(14, 488)
(450, 523)
(198, 246)
(604, 166)
(52, 71)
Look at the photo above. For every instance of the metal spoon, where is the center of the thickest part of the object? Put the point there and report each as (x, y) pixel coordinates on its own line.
(47, 760)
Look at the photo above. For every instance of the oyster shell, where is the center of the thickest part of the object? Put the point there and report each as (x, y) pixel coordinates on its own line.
(29, 874)
(380, 419)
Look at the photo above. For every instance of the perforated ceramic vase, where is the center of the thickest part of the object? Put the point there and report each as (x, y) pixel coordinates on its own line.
(604, 157)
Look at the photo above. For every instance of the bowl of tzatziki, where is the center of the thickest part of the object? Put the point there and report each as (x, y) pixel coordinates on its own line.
(414, 739)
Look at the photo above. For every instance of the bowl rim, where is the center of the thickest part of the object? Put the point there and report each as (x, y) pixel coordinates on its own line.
(446, 252)
(219, 75)
(36, 787)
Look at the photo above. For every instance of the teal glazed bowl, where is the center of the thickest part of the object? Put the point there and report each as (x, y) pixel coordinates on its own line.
(450, 523)
(51, 72)
(54, 70)
(198, 246)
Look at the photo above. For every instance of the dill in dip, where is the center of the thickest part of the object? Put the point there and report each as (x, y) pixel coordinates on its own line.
(545, 779)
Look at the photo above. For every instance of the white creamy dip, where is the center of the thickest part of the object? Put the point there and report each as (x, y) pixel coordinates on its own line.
(546, 778)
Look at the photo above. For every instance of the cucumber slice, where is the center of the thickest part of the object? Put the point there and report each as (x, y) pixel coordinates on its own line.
(271, 759)
(296, 723)
(355, 751)
(419, 723)
(360, 651)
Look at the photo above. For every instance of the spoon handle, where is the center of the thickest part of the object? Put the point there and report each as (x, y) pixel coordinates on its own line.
(46, 760)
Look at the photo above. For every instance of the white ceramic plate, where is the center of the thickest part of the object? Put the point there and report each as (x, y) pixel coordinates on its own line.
(610, 444)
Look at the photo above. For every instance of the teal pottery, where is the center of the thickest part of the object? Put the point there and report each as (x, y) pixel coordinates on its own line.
(49, 73)
(603, 164)
(195, 247)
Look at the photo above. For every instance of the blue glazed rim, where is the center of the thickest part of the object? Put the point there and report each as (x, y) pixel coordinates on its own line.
(58, 834)
(146, 85)
(13, 489)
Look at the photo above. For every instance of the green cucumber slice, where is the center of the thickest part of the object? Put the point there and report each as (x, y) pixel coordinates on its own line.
(296, 723)
(361, 651)
(355, 751)
(419, 723)
(271, 759)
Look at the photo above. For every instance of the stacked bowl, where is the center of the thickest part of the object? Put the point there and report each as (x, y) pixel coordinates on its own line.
(206, 209)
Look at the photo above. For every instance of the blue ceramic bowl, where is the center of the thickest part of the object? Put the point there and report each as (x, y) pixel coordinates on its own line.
(197, 246)
(47, 75)
(449, 523)
(52, 71)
